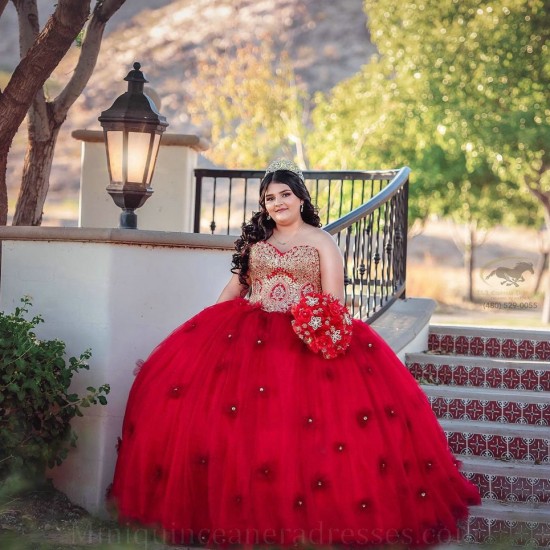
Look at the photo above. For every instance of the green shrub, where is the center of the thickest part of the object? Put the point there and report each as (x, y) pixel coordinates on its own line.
(35, 404)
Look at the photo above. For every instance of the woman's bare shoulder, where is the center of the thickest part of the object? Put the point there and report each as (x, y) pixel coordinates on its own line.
(321, 236)
(321, 239)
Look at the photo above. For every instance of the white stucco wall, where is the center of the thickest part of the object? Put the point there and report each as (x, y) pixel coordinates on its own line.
(120, 300)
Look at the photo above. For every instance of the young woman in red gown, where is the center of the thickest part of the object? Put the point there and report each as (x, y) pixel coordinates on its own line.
(236, 433)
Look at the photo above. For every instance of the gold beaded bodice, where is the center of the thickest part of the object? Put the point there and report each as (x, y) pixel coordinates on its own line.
(279, 279)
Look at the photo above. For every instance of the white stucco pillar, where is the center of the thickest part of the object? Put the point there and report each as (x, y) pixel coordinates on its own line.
(172, 205)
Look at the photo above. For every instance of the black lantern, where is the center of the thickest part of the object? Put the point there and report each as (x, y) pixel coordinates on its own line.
(132, 129)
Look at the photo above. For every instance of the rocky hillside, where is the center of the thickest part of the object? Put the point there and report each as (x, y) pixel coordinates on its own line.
(327, 41)
(9, 37)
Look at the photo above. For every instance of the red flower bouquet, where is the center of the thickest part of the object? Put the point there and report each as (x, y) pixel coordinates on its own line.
(323, 323)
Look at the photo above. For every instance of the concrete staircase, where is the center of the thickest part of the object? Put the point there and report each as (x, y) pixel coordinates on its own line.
(490, 388)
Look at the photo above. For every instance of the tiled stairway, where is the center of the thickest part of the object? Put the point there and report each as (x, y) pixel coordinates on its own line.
(490, 388)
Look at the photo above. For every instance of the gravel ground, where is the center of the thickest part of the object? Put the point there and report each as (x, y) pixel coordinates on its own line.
(45, 519)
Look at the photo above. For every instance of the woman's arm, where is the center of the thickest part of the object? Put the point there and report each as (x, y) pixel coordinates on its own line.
(332, 267)
(233, 289)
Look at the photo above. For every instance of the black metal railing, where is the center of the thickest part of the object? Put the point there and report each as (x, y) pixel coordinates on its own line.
(224, 199)
(365, 210)
(373, 242)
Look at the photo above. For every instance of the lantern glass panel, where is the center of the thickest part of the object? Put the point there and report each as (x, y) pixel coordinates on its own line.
(154, 153)
(114, 145)
(138, 149)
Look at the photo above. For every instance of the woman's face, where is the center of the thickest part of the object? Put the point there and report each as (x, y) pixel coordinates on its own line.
(282, 204)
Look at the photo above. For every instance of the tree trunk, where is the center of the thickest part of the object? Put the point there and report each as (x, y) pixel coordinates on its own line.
(46, 118)
(3, 4)
(3, 188)
(541, 268)
(546, 307)
(29, 76)
(469, 252)
(35, 181)
(546, 304)
(544, 197)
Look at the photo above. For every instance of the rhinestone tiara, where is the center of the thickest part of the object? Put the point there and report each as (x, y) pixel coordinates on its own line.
(284, 164)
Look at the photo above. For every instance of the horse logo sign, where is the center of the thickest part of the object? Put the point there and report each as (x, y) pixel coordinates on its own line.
(506, 272)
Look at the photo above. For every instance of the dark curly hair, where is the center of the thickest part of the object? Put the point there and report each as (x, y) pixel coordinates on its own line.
(259, 228)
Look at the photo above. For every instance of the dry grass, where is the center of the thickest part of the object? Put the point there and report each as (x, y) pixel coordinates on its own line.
(492, 307)
(429, 280)
(435, 270)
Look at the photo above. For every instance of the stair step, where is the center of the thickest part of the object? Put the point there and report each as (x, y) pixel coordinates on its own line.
(490, 389)
(462, 370)
(517, 524)
(499, 441)
(490, 342)
(508, 481)
(488, 404)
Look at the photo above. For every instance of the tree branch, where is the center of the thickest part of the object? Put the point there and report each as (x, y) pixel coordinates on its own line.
(107, 8)
(29, 28)
(3, 4)
(39, 62)
(87, 60)
(29, 25)
(535, 185)
(540, 195)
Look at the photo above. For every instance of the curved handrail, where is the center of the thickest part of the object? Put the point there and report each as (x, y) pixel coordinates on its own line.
(378, 269)
(224, 197)
(400, 178)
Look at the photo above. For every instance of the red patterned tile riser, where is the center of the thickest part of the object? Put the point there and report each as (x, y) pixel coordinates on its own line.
(493, 411)
(515, 533)
(486, 346)
(482, 376)
(511, 489)
(500, 447)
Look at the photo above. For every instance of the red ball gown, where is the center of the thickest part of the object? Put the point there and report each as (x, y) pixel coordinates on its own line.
(236, 433)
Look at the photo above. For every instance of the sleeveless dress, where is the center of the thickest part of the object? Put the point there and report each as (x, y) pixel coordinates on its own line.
(235, 433)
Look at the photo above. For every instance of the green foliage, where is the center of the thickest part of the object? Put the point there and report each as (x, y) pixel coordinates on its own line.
(370, 122)
(253, 106)
(79, 38)
(483, 72)
(36, 405)
(457, 93)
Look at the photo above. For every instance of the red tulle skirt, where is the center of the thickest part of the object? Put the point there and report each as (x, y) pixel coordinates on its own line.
(237, 434)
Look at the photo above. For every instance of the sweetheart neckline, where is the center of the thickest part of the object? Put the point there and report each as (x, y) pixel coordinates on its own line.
(291, 248)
